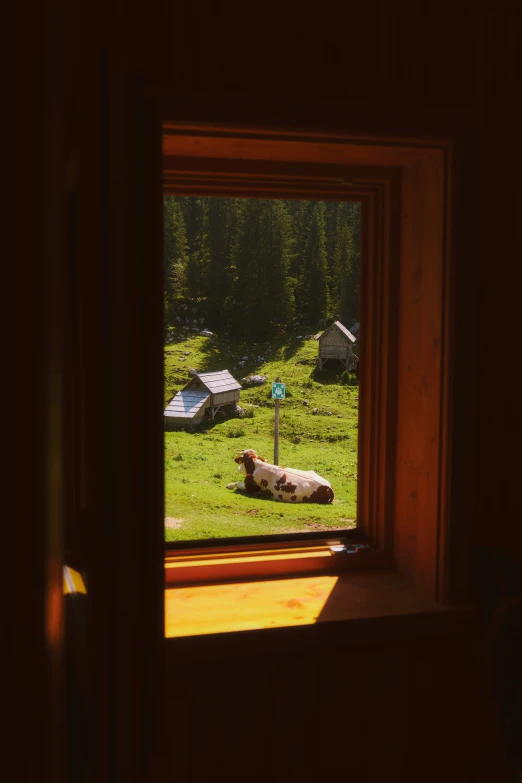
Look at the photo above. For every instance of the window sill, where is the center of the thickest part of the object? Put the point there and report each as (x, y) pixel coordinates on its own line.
(351, 607)
(268, 561)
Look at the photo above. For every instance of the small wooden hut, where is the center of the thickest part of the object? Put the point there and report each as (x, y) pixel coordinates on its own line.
(336, 342)
(203, 395)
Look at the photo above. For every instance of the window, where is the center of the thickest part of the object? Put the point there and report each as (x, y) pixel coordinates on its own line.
(277, 282)
(401, 188)
(293, 181)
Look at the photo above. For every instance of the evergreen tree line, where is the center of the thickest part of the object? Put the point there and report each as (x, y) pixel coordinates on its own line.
(262, 264)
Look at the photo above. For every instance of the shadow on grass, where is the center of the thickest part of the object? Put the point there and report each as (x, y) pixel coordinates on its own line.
(334, 375)
(250, 495)
(326, 377)
(293, 346)
(306, 507)
(207, 425)
(222, 353)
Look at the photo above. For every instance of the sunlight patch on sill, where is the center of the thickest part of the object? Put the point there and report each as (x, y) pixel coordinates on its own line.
(209, 609)
(298, 601)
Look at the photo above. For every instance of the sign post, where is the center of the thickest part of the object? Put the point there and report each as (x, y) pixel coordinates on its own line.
(278, 393)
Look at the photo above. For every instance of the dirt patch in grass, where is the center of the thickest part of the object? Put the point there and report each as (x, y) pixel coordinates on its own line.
(172, 522)
(316, 526)
(308, 525)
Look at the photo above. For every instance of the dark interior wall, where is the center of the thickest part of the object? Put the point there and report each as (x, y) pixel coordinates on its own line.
(397, 63)
(34, 735)
(405, 54)
(497, 504)
(400, 709)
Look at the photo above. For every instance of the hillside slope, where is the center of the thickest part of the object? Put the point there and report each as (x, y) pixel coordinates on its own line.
(199, 464)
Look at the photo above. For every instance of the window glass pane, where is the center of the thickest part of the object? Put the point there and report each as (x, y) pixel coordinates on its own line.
(258, 290)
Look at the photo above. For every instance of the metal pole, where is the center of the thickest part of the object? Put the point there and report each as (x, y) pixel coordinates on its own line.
(276, 428)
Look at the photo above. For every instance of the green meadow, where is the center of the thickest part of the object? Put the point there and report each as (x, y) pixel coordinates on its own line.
(199, 464)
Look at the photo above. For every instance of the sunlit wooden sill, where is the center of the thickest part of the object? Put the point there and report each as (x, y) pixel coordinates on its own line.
(268, 561)
(363, 601)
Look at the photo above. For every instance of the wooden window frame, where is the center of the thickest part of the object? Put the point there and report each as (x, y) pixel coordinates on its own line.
(404, 488)
(405, 416)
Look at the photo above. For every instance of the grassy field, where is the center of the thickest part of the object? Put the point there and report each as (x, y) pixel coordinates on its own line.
(199, 464)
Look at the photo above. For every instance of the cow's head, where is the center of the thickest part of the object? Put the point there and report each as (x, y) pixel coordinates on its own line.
(245, 460)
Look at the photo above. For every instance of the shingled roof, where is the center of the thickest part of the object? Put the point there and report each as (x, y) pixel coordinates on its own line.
(186, 403)
(217, 382)
(342, 329)
(189, 401)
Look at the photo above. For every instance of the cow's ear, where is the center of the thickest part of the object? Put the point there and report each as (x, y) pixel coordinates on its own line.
(262, 459)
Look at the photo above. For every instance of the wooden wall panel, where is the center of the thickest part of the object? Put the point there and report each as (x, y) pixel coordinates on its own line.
(396, 55)
(420, 401)
(119, 230)
(497, 503)
(362, 713)
(33, 371)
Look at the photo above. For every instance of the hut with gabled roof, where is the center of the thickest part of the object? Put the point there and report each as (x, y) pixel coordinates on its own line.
(336, 342)
(203, 395)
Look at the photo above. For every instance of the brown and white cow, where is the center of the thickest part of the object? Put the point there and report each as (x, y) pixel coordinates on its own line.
(285, 484)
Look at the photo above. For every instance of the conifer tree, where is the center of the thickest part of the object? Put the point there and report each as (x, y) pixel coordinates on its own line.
(299, 212)
(263, 291)
(258, 262)
(314, 283)
(199, 249)
(277, 289)
(175, 248)
(220, 223)
(331, 222)
(246, 253)
(350, 306)
(343, 252)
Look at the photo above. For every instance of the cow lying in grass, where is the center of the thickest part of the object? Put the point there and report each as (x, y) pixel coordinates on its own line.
(286, 484)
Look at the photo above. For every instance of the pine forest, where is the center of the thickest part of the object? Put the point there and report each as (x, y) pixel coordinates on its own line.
(262, 265)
